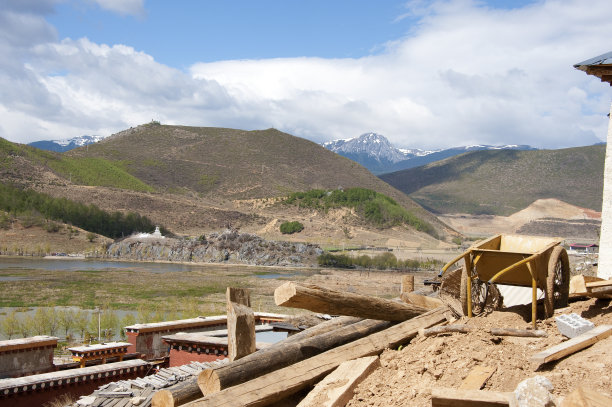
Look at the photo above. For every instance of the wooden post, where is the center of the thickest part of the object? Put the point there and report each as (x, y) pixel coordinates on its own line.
(240, 324)
(407, 284)
(318, 299)
(282, 383)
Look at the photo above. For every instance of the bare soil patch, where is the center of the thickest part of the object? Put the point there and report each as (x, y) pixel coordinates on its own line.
(407, 376)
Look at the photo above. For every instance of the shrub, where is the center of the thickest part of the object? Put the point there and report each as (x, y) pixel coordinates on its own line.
(288, 228)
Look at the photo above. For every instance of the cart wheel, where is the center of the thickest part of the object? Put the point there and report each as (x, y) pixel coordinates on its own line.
(557, 281)
(481, 302)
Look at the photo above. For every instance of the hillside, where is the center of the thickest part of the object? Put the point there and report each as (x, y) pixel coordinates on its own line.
(197, 180)
(505, 181)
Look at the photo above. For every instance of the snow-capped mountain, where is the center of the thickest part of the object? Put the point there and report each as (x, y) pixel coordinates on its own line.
(378, 155)
(372, 145)
(67, 144)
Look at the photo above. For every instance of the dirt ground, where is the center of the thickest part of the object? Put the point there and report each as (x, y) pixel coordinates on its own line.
(484, 225)
(407, 376)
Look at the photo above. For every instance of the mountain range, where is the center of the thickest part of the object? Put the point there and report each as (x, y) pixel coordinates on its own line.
(61, 146)
(503, 182)
(377, 154)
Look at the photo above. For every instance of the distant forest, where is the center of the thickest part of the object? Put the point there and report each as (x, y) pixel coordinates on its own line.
(19, 202)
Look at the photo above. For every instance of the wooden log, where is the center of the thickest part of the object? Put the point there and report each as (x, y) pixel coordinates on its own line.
(421, 300)
(407, 284)
(573, 345)
(282, 355)
(240, 331)
(446, 329)
(585, 397)
(527, 333)
(336, 389)
(318, 299)
(189, 389)
(477, 377)
(281, 383)
(448, 397)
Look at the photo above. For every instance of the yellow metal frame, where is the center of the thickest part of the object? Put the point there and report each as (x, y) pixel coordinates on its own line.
(530, 262)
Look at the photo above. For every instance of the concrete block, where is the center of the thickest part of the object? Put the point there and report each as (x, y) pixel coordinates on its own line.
(572, 325)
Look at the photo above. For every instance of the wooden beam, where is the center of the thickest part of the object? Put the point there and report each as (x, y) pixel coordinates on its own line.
(336, 389)
(281, 383)
(282, 355)
(448, 397)
(422, 300)
(318, 299)
(477, 377)
(240, 323)
(573, 345)
(585, 397)
(602, 283)
(188, 390)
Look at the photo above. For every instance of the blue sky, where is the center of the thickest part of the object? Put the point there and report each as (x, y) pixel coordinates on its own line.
(426, 74)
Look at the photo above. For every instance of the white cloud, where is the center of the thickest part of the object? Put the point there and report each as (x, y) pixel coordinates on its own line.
(123, 7)
(465, 74)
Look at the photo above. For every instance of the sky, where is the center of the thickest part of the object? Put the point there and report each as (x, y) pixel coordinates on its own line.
(425, 74)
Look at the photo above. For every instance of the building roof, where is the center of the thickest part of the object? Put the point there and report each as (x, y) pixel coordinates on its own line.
(26, 343)
(600, 66)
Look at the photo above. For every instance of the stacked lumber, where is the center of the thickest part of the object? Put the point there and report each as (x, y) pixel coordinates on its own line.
(272, 374)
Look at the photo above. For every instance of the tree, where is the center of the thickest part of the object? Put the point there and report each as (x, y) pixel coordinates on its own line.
(127, 320)
(90, 236)
(26, 326)
(66, 319)
(81, 320)
(10, 325)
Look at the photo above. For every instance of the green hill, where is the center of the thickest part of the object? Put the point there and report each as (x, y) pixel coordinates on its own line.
(202, 170)
(502, 182)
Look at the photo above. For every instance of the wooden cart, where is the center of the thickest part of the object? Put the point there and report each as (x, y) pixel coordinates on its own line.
(527, 261)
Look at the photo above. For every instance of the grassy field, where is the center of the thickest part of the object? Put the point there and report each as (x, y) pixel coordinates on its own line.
(134, 288)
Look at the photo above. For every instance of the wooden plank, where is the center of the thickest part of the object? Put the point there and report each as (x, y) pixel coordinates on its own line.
(284, 382)
(447, 397)
(477, 377)
(421, 300)
(595, 284)
(585, 397)
(318, 299)
(336, 389)
(573, 345)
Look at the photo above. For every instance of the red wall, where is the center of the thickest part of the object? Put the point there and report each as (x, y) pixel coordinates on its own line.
(182, 357)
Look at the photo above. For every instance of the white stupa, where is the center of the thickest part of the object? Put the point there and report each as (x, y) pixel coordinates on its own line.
(155, 235)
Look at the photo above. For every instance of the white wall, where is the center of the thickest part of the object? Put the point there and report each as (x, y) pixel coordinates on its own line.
(605, 239)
